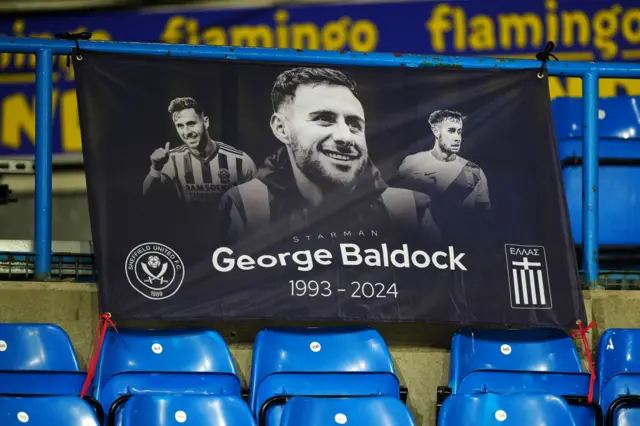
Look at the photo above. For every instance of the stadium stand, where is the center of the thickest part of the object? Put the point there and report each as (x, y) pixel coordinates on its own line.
(619, 175)
(618, 375)
(506, 410)
(171, 361)
(343, 375)
(194, 410)
(369, 411)
(345, 361)
(69, 260)
(540, 360)
(47, 411)
(38, 359)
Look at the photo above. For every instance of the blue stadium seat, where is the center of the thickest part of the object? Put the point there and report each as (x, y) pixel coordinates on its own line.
(626, 417)
(318, 361)
(536, 360)
(506, 410)
(619, 170)
(618, 371)
(168, 361)
(193, 410)
(47, 411)
(356, 411)
(38, 359)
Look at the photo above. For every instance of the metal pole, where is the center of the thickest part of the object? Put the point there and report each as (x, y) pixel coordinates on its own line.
(590, 178)
(44, 75)
(231, 53)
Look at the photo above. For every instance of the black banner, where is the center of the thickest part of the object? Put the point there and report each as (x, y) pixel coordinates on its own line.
(231, 189)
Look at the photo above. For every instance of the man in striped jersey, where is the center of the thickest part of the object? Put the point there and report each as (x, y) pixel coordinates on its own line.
(201, 169)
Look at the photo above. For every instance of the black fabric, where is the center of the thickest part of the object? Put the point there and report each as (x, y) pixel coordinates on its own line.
(155, 252)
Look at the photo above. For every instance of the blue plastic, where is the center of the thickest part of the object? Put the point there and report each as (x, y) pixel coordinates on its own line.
(499, 360)
(506, 410)
(543, 360)
(46, 411)
(38, 359)
(319, 361)
(192, 410)
(619, 139)
(365, 411)
(196, 361)
(43, 187)
(619, 119)
(627, 417)
(618, 365)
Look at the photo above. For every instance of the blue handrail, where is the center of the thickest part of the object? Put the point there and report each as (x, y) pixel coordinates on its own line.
(44, 49)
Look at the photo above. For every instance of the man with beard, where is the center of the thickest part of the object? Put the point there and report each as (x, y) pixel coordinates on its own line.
(321, 181)
(201, 169)
(445, 176)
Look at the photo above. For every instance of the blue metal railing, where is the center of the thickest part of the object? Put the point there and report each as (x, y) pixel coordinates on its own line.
(44, 49)
(44, 88)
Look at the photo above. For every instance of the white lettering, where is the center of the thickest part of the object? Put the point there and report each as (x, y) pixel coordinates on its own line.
(246, 262)
(272, 261)
(400, 258)
(372, 258)
(355, 251)
(415, 261)
(351, 255)
(323, 257)
(404, 252)
(228, 263)
(435, 257)
(456, 260)
(303, 258)
(524, 251)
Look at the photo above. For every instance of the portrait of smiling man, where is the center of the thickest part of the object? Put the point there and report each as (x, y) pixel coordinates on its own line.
(321, 179)
(201, 169)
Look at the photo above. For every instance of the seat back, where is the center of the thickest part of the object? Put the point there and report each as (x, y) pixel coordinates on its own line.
(319, 361)
(618, 119)
(38, 359)
(619, 170)
(194, 410)
(629, 416)
(511, 355)
(618, 365)
(506, 410)
(532, 360)
(164, 361)
(36, 347)
(370, 411)
(46, 411)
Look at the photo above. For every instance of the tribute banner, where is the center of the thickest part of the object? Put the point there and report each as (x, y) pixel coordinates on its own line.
(233, 189)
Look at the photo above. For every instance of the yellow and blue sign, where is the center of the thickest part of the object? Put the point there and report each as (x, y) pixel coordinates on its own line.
(585, 30)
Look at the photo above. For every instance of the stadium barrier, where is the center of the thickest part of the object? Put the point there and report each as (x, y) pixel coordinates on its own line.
(46, 49)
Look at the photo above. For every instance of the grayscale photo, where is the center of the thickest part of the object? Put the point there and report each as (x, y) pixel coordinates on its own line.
(442, 172)
(201, 169)
(321, 124)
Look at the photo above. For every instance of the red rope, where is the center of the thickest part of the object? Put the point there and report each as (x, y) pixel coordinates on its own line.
(101, 330)
(582, 333)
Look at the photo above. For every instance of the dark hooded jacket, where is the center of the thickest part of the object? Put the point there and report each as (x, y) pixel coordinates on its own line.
(269, 216)
(365, 207)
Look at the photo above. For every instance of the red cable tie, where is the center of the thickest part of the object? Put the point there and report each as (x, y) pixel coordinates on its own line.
(101, 330)
(582, 333)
